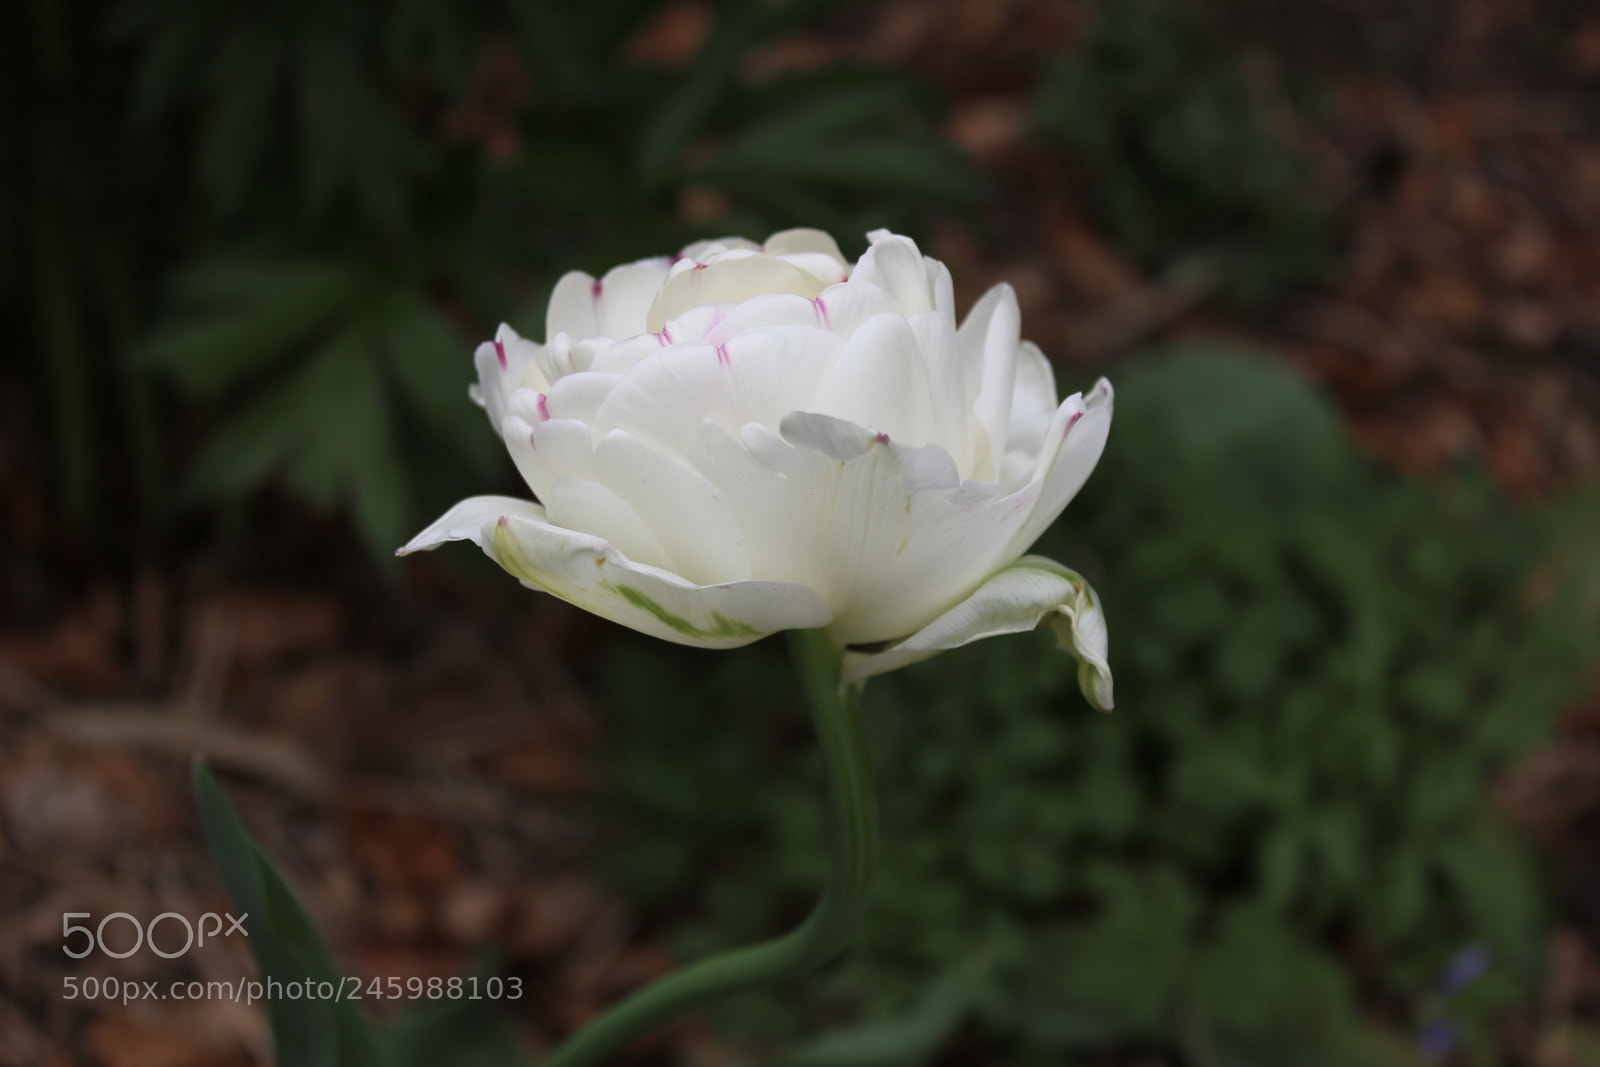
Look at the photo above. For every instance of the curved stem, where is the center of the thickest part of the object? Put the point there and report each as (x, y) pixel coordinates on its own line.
(825, 932)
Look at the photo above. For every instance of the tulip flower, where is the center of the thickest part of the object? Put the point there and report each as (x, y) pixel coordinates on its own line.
(745, 438)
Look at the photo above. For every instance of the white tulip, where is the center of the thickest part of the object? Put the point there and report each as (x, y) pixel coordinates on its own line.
(744, 439)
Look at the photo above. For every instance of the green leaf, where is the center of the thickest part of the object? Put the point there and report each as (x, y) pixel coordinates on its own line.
(1261, 988)
(453, 1033)
(904, 1042)
(328, 427)
(685, 111)
(432, 366)
(239, 315)
(1112, 978)
(850, 137)
(307, 1032)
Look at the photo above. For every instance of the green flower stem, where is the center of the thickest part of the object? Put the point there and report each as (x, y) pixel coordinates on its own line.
(829, 927)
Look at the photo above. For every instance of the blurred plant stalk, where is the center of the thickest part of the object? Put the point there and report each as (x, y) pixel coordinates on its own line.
(827, 931)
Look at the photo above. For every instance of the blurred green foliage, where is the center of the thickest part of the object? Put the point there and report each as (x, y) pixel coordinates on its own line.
(304, 217)
(1319, 669)
(310, 214)
(1181, 149)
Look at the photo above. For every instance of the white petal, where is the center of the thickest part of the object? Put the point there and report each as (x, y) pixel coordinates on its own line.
(1032, 590)
(574, 307)
(756, 376)
(579, 396)
(880, 381)
(583, 506)
(690, 518)
(705, 249)
(773, 309)
(586, 571)
(1033, 400)
(554, 359)
(503, 365)
(626, 293)
(941, 356)
(491, 387)
(843, 308)
(944, 289)
(470, 520)
(989, 340)
(1072, 447)
(663, 400)
(693, 325)
(581, 354)
(819, 265)
(517, 433)
(729, 280)
(565, 445)
(894, 265)
(774, 371)
(885, 532)
(803, 240)
(925, 467)
(528, 406)
(620, 357)
(1033, 406)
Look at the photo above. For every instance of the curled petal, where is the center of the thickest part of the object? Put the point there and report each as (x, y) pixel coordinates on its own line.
(806, 242)
(1072, 446)
(1030, 591)
(591, 573)
(729, 279)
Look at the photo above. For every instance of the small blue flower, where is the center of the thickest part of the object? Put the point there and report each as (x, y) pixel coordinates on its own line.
(1436, 1041)
(1468, 966)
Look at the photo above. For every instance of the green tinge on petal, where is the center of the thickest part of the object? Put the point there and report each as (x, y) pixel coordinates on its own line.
(592, 574)
(1020, 597)
(1080, 630)
(588, 572)
(721, 625)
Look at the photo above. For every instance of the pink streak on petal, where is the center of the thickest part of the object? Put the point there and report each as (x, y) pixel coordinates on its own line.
(722, 355)
(544, 409)
(1072, 422)
(881, 438)
(500, 350)
(597, 289)
(822, 313)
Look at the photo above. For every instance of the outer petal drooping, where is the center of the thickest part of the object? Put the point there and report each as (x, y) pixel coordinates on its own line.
(1030, 591)
(591, 573)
